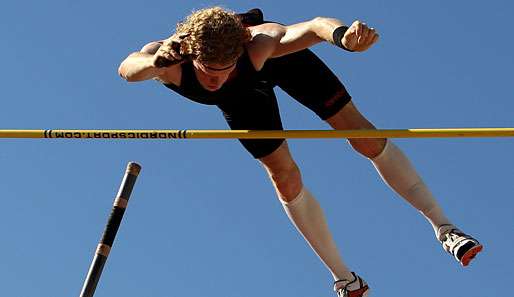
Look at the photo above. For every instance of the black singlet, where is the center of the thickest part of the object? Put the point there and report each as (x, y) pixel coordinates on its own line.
(248, 101)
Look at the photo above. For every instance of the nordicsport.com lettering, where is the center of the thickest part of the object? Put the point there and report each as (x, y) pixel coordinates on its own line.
(117, 135)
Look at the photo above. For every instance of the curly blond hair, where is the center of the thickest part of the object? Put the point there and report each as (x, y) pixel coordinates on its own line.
(213, 35)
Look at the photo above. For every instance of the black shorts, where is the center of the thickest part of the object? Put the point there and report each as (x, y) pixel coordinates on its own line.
(304, 77)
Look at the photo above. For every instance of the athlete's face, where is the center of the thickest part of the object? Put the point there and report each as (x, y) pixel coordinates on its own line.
(212, 76)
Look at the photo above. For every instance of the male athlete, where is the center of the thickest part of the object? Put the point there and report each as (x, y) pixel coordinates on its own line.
(232, 61)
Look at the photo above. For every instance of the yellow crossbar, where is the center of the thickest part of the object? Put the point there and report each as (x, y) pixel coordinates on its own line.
(261, 134)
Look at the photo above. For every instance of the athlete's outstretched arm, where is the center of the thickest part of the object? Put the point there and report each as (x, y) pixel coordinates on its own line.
(278, 40)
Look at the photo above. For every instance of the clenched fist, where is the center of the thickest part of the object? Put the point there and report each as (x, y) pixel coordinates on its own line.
(359, 37)
(170, 52)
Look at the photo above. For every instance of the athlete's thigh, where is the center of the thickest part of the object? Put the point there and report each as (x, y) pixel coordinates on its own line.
(254, 109)
(349, 117)
(307, 79)
(280, 160)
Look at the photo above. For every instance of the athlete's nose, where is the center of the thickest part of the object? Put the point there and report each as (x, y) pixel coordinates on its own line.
(214, 80)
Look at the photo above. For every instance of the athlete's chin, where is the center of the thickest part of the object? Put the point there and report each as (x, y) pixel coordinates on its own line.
(212, 88)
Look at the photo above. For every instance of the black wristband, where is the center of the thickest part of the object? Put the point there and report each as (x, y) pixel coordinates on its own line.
(337, 37)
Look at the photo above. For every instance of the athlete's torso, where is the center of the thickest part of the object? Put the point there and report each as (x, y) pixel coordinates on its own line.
(244, 77)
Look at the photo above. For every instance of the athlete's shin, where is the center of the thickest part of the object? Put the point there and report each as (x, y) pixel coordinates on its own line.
(307, 215)
(397, 171)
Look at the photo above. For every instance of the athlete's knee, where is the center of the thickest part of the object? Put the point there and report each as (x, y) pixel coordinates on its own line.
(287, 182)
(350, 118)
(284, 173)
(368, 147)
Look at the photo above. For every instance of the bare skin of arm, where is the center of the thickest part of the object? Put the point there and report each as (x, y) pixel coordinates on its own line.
(274, 40)
(140, 66)
(268, 40)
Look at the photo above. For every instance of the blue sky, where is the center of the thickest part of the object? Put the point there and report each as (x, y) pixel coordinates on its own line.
(203, 218)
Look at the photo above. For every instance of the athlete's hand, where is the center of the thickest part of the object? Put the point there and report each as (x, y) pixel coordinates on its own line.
(359, 37)
(169, 52)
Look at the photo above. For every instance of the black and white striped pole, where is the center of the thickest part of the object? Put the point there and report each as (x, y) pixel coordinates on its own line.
(105, 245)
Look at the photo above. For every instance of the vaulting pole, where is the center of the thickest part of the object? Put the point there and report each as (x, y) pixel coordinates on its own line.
(261, 134)
(105, 245)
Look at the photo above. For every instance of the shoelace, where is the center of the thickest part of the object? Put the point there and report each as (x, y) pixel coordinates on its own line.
(453, 238)
(344, 292)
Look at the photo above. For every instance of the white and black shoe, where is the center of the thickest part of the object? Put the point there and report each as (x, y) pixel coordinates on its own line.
(351, 288)
(460, 245)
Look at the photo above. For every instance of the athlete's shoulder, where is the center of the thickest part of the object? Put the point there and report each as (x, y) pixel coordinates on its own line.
(273, 30)
(264, 40)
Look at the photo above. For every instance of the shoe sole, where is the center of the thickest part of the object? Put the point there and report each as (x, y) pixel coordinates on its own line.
(469, 255)
(362, 292)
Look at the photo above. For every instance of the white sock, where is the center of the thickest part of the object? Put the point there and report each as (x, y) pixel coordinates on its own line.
(396, 170)
(307, 215)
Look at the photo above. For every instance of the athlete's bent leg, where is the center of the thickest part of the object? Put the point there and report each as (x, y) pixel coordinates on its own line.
(392, 165)
(303, 209)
